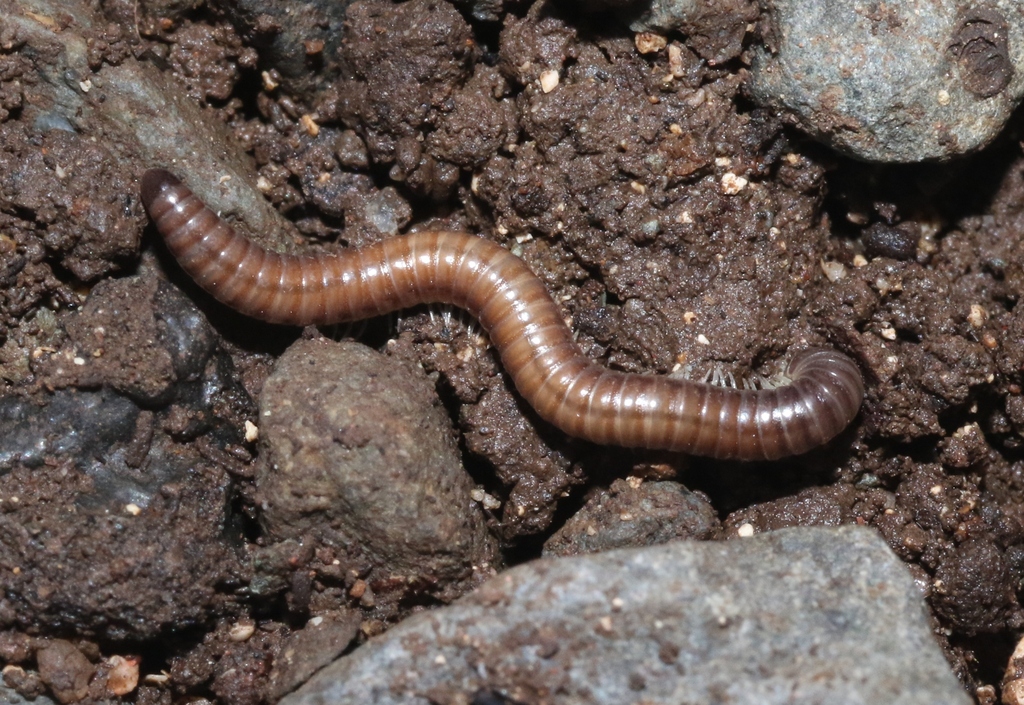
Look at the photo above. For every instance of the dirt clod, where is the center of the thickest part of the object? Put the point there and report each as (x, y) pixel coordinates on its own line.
(356, 453)
(65, 670)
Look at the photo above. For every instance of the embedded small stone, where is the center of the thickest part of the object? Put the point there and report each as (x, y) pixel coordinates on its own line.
(649, 42)
(548, 80)
(635, 513)
(899, 242)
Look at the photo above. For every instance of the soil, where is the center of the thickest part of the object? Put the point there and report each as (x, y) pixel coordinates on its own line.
(681, 227)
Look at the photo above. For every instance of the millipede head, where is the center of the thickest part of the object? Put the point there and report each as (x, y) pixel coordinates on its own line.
(155, 181)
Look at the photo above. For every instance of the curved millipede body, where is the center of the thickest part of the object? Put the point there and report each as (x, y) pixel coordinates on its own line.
(537, 349)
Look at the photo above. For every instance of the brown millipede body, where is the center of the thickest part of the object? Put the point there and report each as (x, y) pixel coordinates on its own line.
(567, 389)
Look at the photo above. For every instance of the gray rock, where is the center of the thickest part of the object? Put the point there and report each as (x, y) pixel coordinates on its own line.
(808, 615)
(902, 81)
(357, 451)
(79, 425)
(137, 112)
(9, 696)
(642, 515)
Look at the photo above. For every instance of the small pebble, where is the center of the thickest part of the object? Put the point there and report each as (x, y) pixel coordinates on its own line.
(977, 316)
(732, 184)
(548, 80)
(649, 42)
(123, 676)
(898, 242)
(635, 513)
(241, 631)
(1013, 679)
(833, 270)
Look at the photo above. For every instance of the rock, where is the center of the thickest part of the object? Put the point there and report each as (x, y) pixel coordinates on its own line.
(357, 451)
(65, 670)
(897, 242)
(144, 118)
(136, 523)
(9, 696)
(796, 616)
(914, 80)
(118, 572)
(308, 650)
(89, 430)
(79, 425)
(645, 515)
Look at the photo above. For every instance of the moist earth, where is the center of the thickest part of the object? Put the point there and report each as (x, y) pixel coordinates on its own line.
(682, 229)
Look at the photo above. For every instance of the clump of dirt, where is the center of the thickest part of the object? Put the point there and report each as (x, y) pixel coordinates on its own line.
(60, 216)
(682, 230)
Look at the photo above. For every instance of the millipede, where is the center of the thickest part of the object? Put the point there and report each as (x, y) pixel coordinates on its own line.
(820, 395)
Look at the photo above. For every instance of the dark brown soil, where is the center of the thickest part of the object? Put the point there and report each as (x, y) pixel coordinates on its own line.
(681, 228)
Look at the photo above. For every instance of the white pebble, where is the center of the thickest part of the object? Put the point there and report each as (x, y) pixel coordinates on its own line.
(548, 80)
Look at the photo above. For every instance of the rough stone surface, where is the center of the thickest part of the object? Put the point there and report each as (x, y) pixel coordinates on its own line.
(9, 696)
(77, 424)
(796, 616)
(897, 82)
(357, 451)
(96, 491)
(144, 119)
(308, 650)
(633, 514)
(164, 560)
